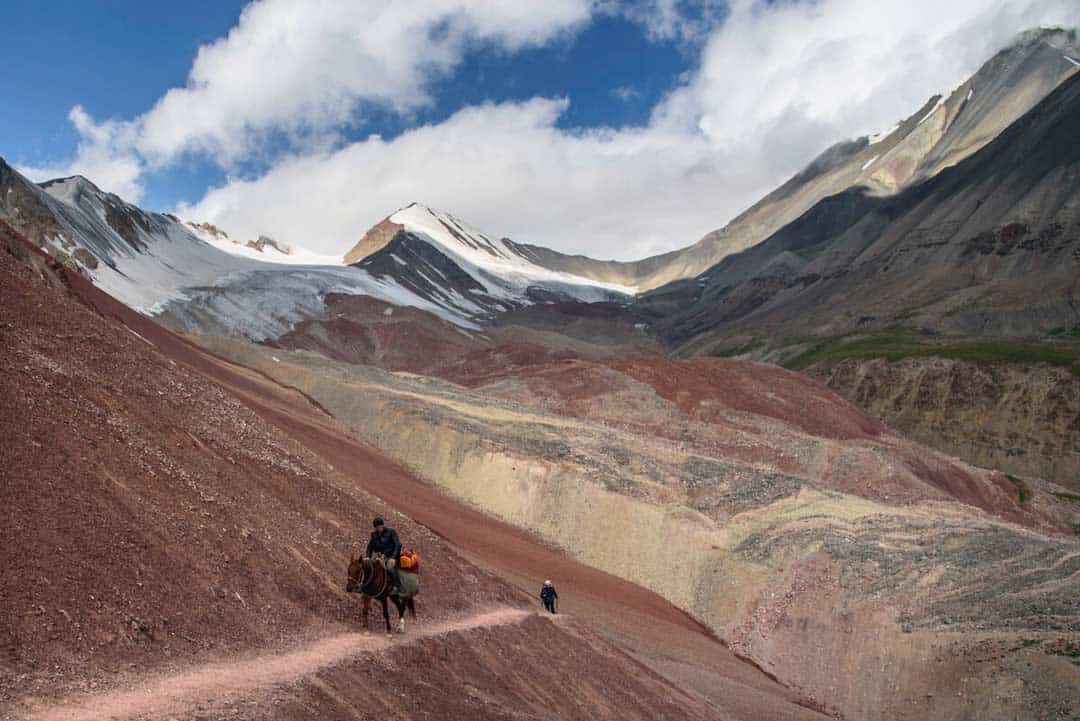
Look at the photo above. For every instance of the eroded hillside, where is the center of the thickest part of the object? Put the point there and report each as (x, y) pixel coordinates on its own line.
(1022, 419)
(878, 577)
(166, 515)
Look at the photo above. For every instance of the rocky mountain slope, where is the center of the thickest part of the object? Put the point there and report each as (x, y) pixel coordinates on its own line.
(1022, 419)
(990, 246)
(949, 128)
(169, 513)
(194, 277)
(439, 257)
(877, 577)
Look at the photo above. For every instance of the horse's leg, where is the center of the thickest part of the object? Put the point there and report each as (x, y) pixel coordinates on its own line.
(400, 605)
(412, 607)
(386, 616)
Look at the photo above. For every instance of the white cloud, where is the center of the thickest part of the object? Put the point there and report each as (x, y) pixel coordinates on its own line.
(777, 82)
(103, 154)
(304, 68)
(505, 167)
(687, 21)
(790, 78)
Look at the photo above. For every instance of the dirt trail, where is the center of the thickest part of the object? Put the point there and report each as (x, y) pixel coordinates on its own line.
(641, 621)
(159, 697)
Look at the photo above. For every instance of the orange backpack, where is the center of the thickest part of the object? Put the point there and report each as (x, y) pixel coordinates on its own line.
(410, 560)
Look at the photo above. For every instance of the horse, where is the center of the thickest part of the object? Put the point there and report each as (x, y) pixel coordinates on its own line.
(369, 578)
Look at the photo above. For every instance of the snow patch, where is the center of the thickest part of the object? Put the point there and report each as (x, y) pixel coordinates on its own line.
(878, 137)
(270, 254)
(940, 102)
(1071, 60)
(503, 272)
(870, 162)
(205, 282)
(388, 311)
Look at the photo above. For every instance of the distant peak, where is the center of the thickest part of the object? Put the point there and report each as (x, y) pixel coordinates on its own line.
(210, 228)
(265, 242)
(1052, 35)
(73, 182)
(1029, 42)
(418, 207)
(375, 239)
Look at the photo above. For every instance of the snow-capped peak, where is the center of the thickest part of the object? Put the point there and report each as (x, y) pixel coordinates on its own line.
(473, 249)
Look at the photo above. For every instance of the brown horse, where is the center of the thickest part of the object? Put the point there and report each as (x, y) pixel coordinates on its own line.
(369, 578)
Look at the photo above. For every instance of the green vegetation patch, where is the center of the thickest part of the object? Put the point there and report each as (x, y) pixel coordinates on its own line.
(739, 350)
(897, 344)
(1022, 488)
(1065, 332)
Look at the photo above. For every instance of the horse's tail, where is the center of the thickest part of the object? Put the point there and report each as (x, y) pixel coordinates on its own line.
(411, 605)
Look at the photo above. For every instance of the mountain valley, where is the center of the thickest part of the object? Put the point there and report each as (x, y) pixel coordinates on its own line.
(823, 463)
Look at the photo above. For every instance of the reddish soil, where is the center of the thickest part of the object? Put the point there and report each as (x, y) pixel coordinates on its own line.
(488, 365)
(166, 508)
(710, 392)
(711, 388)
(359, 329)
(790, 423)
(151, 518)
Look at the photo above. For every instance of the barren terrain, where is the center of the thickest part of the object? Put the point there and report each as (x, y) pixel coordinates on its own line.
(1022, 419)
(170, 514)
(807, 535)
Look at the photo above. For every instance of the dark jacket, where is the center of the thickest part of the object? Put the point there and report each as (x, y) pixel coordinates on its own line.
(547, 593)
(386, 543)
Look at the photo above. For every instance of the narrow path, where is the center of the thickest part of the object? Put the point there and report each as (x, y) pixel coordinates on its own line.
(635, 618)
(158, 697)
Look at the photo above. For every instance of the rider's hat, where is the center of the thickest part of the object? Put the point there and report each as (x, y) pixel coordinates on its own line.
(378, 521)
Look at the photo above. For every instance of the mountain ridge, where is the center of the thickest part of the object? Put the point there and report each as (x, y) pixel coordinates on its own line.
(988, 246)
(921, 145)
(193, 277)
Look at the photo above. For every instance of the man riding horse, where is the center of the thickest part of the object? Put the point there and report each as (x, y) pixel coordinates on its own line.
(385, 541)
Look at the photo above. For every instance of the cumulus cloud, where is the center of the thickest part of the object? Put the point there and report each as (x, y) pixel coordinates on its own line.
(506, 168)
(787, 79)
(305, 68)
(776, 83)
(687, 21)
(104, 154)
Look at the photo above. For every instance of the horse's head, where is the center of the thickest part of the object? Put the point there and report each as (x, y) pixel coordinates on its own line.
(361, 570)
(356, 574)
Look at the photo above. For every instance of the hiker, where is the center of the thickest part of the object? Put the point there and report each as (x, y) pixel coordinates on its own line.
(385, 541)
(548, 595)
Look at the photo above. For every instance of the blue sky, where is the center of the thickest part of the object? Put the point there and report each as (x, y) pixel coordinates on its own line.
(617, 128)
(116, 57)
(113, 57)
